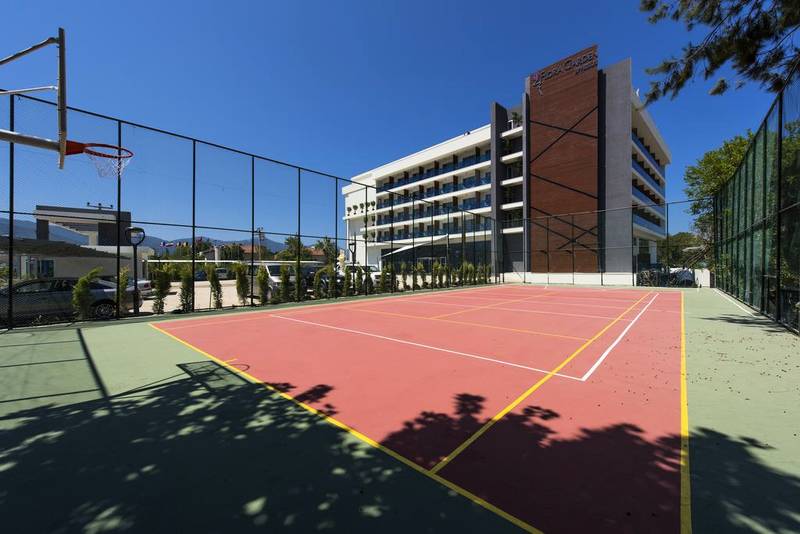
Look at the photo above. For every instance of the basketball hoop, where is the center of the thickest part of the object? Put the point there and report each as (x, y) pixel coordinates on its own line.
(109, 160)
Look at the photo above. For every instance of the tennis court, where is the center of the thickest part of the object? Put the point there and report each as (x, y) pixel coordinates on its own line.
(490, 391)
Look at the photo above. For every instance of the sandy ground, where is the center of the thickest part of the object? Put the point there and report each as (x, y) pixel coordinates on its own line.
(202, 295)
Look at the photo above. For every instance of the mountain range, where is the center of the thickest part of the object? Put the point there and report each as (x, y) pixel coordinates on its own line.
(25, 229)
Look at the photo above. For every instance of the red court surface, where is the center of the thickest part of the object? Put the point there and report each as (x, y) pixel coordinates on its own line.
(558, 408)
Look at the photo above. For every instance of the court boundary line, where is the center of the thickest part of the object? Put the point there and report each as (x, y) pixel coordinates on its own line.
(424, 346)
(611, 347)
(545, 312)
(451, 321)
(686, 481)
(528, 392)
(365, 439)
(489, 306)
(729, 299)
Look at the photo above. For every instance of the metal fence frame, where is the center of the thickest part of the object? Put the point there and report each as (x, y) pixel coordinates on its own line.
(301, 171)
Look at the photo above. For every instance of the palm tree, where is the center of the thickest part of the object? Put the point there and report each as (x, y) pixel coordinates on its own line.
(327, 247)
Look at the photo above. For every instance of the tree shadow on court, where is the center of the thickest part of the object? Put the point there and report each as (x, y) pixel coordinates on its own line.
(763, 324)
(209, 453)
(212, 453)
(608, 479)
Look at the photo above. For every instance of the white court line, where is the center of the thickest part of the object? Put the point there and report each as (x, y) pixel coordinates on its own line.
(726, 297)
(541, 312)
(405, 342)
(603, 356)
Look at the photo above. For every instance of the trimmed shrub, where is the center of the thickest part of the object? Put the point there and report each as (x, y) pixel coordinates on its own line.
(299, 285)
(285, 282)
(404, 275)
(359, 281)
(420, 271)
(383, 281)
(185, 295)
(262, 279)
(318, 284)
(82, 297)
(369, 286)
(435, 274)
(162, 280)
(242, 285)
(122, 289)
(348, 282)
(215, 286)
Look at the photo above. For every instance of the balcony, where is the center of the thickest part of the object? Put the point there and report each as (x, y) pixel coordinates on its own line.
(448, 167)
(468, 183)
(653, 227)
(641, 171)
(638, 142)
(649, 202)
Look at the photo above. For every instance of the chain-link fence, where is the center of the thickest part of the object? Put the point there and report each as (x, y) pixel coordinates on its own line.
(223, 228)
(757, 215)
(652, 243)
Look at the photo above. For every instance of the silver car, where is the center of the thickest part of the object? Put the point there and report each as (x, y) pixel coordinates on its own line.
(51, 299)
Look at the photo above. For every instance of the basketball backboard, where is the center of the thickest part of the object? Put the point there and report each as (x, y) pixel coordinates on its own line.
(59, 144)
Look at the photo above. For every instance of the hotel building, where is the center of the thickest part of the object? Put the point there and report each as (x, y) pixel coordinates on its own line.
(566, 185)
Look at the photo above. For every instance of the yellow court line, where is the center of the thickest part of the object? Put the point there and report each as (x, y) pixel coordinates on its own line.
(507, 329)
(502, 303)
(686, 494)
(369, 441)
(490, 423)
(520, 310)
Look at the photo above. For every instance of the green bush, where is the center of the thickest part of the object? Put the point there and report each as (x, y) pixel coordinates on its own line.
(369, 286)
(359, 281)
(404, 275)
(82, 297)
(262, 279)
(348, 280)
(185, 295)
(318, 284)
(214, 285)
(242, 285)
(419, 271)
(299, 284)
(162, 280)
(122, 289)
(435, 274)
(383, 281)
(285, 289)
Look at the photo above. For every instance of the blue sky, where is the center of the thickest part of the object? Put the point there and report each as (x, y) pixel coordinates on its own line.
(336, 86)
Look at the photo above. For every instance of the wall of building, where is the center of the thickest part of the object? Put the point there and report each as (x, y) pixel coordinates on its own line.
(563, 164)
(616, 83)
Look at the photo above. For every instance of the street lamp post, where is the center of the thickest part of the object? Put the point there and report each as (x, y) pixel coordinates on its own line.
(135, 236)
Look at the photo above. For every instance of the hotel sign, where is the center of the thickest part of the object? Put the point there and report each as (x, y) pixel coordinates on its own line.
(574, 65)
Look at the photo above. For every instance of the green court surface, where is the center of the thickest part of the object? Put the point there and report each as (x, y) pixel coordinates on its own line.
(118, 428)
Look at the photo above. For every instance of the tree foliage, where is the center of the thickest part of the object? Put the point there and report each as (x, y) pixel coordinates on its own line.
(707, 176)
(294, 249)
(753, 36)
(328, 248)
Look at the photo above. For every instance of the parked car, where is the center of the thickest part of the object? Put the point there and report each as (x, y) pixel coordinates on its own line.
(51, 299)
(200, 275)
(372, 270)
(146, 288)
(223, 273)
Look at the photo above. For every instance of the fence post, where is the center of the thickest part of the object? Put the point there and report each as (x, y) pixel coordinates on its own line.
(119, 221)
(297, 278)
(333, 283)
(11, 218)
(252, 226)
(194, 207)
